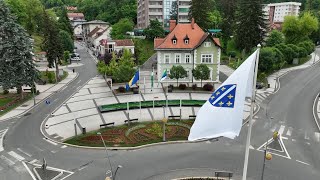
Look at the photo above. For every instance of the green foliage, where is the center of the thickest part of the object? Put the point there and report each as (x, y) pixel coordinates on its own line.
(17, 67)
(297, 29)
(275, 37)
(156, 129)
(251, 24)
(177, 72)
(174, 11)
(64, 23)
(287, 52)
(120, 28)
(200, 10)
(270, 59)
(227, 10)
(143, 49)
(66, 40)
(201, 72)
(66, 56)
(154, 30)
(308, 46)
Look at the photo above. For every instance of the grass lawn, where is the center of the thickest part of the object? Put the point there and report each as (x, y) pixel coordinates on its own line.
(136, 134)
(144, 49)
(50, 76)
(11, 101)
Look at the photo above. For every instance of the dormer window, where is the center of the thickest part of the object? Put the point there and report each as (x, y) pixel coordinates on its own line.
(186, 39)
(174, 39)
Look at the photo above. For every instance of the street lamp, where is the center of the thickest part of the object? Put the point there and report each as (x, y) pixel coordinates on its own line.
(115, 173)
(105, 147)
(266, 155)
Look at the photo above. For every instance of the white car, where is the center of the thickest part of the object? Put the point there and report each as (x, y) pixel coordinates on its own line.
(75, 59)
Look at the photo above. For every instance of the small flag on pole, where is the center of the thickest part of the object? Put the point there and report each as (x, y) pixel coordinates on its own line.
(134, 80)
(152, 76)
(164, 75)
(222, 114)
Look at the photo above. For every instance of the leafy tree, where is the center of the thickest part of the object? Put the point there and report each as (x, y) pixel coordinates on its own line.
(275, 37)
(215, 19)
(64, 23)
(113, 66)
(287, 52)
(199, 10)
(66, 56)
(251, 25)
(107, 58)
(201, 72)
(102, 68)
(177, 72)
(154, 30)
(67, 42)
(125, 69)
(308, 46)
(120, 28)
(270, 59)
(174, 11)
(17, 68)
(227, 10)
(52, 44)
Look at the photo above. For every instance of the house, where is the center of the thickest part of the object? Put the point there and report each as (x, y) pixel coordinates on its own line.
(109, 46)
(78, 32)
(96, 35)
(88, 27)
(188, 45)
(76, 18)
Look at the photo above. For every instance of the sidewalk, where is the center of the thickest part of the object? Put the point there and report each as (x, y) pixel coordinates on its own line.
(45, 92)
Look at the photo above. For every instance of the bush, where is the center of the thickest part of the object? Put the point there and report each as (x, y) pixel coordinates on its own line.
(208, 87)
(122, 89)
(182, 86)
(194, 86)
(233, 54)
(5, 92)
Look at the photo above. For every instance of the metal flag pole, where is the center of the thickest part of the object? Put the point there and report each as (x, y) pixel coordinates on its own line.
(246, 158)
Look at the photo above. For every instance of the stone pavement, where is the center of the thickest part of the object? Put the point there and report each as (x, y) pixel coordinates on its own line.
(45, 91)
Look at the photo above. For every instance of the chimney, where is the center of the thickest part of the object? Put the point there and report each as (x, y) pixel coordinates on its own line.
(192, 23)
(173, 24)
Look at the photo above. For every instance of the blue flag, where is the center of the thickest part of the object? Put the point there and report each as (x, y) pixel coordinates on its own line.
(133, 81)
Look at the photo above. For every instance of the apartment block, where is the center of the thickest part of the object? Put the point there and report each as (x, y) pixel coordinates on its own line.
(277, 11)
(160, 9)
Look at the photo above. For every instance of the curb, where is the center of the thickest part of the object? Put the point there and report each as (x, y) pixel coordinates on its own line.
(314, 109)
(26, 111)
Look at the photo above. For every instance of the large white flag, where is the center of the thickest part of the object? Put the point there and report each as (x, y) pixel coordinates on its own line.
(222, 114)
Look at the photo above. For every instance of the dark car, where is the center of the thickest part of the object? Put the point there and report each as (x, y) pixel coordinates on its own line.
(259, 85)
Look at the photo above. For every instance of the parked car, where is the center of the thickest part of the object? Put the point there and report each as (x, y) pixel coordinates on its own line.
(259, 85)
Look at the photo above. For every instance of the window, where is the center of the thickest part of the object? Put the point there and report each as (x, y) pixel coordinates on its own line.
(207, 44)
(177, 58)
(174, 41)
(186, 41)
(187, 58)
(206, 58)
(167, 58)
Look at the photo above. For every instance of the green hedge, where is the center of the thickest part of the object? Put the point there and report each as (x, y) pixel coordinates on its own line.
(148, 104)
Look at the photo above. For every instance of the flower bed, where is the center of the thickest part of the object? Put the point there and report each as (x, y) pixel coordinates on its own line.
(135, 135)
(10, 101)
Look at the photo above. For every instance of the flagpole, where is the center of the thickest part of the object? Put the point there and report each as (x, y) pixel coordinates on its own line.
(246, 158)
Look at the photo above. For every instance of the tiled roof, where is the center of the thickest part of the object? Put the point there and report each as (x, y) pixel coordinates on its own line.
(124, 42)
(94, 31)
(180, 32)
(79, 15)
(96, 22)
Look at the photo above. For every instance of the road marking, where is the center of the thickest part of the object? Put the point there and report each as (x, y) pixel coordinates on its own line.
(79, 81)
(306, 136)
(82, 168)
(37, 148)
(33, 161)
(15, 155)
(2, 134)
(293, 140)
(51, 142)
(251, 147)
(281, 129)
(289, 132)
(7, 160)
(31, 174)
(317, 135)
(55, 136)
(64, 146)
(302, 162)
(63, 88)
(54, 151)
(24, 152)
(284, 138)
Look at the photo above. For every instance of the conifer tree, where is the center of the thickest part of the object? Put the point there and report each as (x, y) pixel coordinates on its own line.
(250, 28)
(16, 65)
(199, 10)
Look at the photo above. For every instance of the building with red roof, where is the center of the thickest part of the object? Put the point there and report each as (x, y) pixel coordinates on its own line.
(188, 45)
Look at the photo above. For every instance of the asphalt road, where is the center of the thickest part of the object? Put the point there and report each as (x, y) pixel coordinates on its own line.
(291, 108)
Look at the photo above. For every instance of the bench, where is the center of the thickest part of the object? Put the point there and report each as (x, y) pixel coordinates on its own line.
(173, 117)
(106, 125)
(131, 120)
(192, 117)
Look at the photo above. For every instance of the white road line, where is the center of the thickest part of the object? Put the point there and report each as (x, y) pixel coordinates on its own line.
(284, 138)
(31, 174)
(302, 162)
(317, 135)
(251, 147)
(3, 133)
(306, 136)
(55, 136)
(79, 81)
(50, 141)
(33, 161)
(15, 155)
(64, 146)
(289, 132)
(281, 129)
(7, 160)
(24, 152)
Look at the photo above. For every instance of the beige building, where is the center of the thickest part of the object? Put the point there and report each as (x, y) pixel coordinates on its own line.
(160, 9)
(88, 27)
(276, 12)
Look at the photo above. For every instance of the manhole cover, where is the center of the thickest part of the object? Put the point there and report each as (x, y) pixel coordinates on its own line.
(24, 105)
(27, 114)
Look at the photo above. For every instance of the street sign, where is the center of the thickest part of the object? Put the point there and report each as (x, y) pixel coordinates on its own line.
(47, 101)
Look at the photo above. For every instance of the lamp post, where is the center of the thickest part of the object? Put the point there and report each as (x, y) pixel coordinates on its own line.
(115, 173)
(265, 151)
(105, 147)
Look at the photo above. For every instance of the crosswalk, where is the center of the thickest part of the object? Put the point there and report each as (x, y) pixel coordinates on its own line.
(296, 134)
(260, 96)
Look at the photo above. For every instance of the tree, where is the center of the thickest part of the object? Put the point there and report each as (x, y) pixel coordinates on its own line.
(154, 29)
(227, 10)
(199, 10)
(125, 69)
(270, 59)
(17, 68)
(201, 72)
(275, 37)
(177, 72)
(287, 52)
(64, 23)
(174, 11)
(52, 44)
(120, 28)
(67, 42)
(107, 57)
(250, 28)
(66, 56)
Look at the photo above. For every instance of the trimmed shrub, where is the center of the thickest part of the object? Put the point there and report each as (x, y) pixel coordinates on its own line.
(122, 89)
(208, 87)
(182, 86)
(194, 86)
